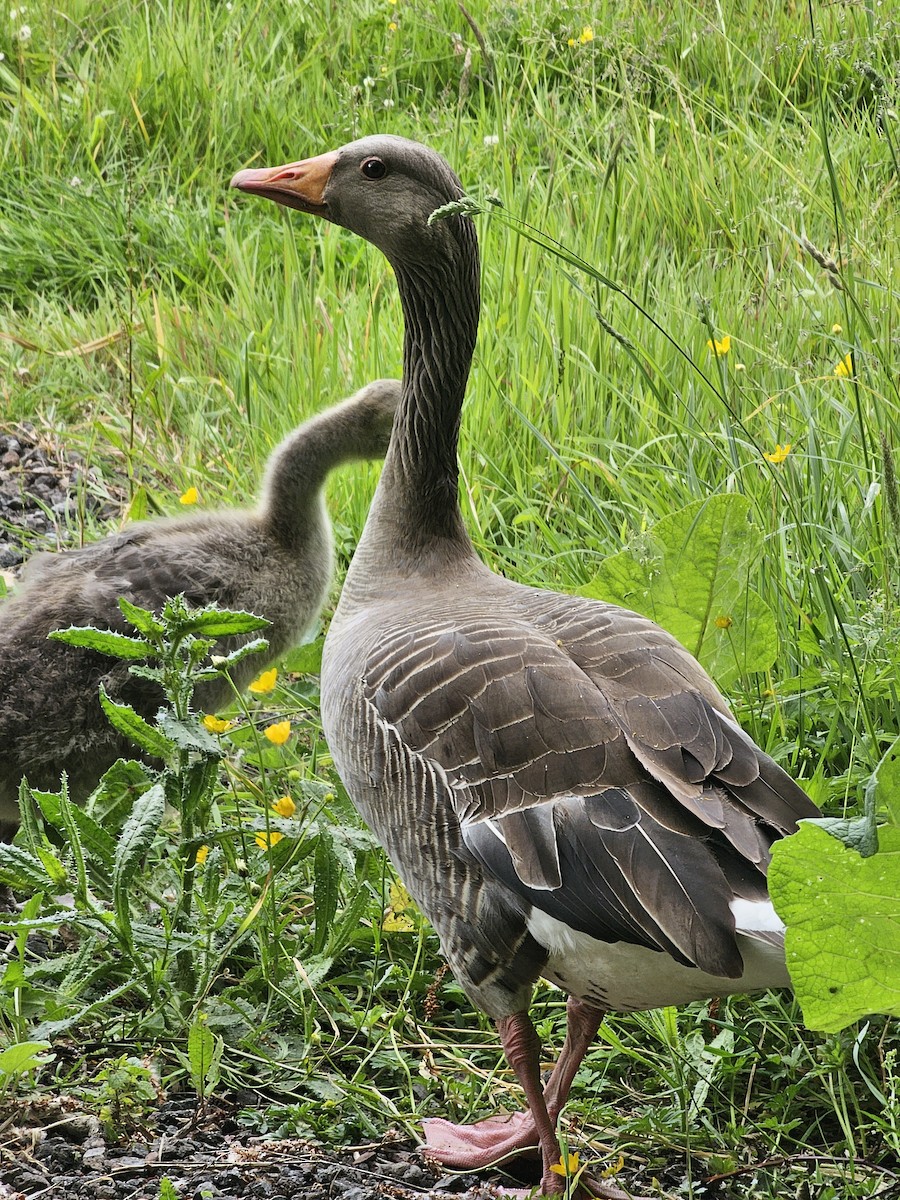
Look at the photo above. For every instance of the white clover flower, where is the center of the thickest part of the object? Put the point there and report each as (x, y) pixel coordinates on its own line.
(388, 103)
(25, 34)
(75, 181)
(492, 139)
(368, 82)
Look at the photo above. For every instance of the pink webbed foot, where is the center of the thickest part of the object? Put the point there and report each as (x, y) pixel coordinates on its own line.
(484, 1144)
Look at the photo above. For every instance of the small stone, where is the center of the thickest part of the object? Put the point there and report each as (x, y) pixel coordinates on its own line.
(9, 459)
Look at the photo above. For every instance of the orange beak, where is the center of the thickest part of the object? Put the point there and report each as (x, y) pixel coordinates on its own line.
(298, 185)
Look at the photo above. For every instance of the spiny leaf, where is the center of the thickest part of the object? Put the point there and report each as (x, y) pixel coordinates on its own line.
(21, 870)
(123, 718)
(138, 834)
(141, 618)
(94, 838)
(216, 622)
(118, 645)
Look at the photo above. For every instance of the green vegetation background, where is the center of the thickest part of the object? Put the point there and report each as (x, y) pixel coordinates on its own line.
(736, 175)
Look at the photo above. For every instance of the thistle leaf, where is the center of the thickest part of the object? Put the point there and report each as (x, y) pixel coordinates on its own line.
(117, 645)
(123, 718)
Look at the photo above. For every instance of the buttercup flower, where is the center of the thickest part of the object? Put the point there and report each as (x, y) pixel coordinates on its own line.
(724, 622)
(216, 724)
(569, 1167)
(779, 454)
(202, 854)
(265, 682)
(837, 328)
(719, 348)
(266, 841)
(285, 806)
(278, 733)
(191, 496)
(844, 368)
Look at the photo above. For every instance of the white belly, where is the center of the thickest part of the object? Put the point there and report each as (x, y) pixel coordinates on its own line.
(625, 978)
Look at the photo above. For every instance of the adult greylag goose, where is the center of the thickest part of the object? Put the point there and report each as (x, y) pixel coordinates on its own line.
(275, 561)
(559, 783)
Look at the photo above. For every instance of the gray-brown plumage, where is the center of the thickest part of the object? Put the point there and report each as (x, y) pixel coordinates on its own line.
(559, 783)
(275, 561)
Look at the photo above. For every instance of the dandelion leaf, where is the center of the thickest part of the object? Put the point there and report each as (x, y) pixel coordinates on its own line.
(691, 574)
(842, 913)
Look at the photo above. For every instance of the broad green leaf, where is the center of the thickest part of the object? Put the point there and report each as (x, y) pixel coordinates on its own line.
(887, 783)
(23, 1056)
(691, 574)
(118, 645)
(842, 913)
(135, 728)
(138, 834)
(305, 659)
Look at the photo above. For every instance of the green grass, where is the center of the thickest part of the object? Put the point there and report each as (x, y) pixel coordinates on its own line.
(685, 152)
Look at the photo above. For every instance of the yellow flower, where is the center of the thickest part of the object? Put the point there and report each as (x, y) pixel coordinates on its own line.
(202, 854)
(779, 454)
(724, 622)
(265, 682)
(837, 328)
(740, 367)
(844, 369)
(571, 41)
(394, 919)
(266, 841)
(278, 733)
(285, 807)
(216, 724)
(587, 35)
(392, 26)
(614, 1169)
(719, 348)
(567, 1168)
(191, 496)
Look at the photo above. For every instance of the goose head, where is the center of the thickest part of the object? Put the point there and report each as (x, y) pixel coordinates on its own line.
(382, 188)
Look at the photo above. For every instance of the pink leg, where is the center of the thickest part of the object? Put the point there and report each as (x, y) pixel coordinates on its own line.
(489, 1142)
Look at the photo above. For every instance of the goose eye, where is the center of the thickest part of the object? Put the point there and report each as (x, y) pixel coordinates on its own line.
(373, 168)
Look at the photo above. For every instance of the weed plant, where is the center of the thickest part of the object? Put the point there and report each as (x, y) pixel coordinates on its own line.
(732, 182)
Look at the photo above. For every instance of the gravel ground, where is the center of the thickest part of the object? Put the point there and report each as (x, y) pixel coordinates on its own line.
(41, 487)
(57, 1151)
